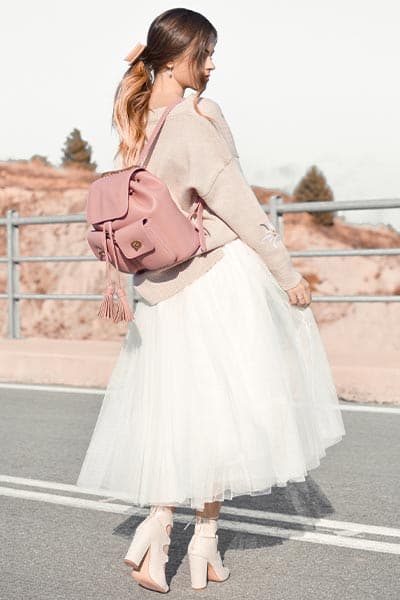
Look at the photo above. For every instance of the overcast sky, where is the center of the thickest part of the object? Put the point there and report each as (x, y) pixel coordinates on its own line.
(300, 82)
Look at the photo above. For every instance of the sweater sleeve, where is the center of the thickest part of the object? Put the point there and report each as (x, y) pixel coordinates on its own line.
(223, 186)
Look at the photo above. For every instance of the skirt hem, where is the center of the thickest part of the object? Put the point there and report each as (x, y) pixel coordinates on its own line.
(226, 494)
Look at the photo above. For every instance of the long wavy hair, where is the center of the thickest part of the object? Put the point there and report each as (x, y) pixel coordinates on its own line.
(172, 33)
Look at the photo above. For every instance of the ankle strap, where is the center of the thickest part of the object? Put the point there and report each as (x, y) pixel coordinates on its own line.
(163, 513)
(206, 526)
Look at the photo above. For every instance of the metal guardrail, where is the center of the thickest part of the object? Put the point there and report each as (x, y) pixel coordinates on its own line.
(275, 209)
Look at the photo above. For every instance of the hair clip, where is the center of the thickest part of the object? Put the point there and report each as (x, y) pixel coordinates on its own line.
(135, 52)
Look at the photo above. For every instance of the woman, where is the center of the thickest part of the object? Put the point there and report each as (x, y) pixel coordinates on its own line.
(222, 386)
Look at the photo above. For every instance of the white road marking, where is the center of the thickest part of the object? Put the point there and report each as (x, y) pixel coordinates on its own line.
(52, 388)
(341, 536)
(395, 410)
(382, 408)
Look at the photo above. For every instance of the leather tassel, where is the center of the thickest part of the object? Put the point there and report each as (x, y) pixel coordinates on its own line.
(106, 307)
(122, 309)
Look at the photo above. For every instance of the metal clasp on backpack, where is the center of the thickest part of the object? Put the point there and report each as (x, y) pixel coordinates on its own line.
(136, 244)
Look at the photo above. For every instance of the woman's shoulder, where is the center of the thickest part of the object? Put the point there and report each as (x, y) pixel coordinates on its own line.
(188, 119)
(186, 115)
(187, 107)
(213, 109)
(195, 120)
(205, 105)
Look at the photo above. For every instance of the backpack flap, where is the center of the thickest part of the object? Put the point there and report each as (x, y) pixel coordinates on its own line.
(133, 240)
(108, 196)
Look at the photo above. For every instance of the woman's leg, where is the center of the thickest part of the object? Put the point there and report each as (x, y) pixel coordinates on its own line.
(211, 510)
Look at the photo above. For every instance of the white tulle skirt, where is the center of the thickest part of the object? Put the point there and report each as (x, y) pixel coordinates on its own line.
(221, 390)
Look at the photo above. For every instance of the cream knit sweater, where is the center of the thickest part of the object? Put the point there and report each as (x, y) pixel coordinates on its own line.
(193, 155)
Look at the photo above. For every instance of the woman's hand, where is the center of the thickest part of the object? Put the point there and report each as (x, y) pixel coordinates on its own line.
(300, 294)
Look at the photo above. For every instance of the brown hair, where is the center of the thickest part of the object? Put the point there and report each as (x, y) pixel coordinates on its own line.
(172, 33)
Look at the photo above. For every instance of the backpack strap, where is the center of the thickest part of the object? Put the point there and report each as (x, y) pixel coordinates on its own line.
(149, 146)
(144, 155)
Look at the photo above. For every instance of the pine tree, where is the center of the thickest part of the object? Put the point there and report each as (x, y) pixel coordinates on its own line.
(313, 187)
(77, 152)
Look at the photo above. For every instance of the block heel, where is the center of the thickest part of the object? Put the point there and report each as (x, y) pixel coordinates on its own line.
(138, 548)
(198, 571)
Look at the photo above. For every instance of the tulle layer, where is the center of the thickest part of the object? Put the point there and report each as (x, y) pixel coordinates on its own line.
(221, 390)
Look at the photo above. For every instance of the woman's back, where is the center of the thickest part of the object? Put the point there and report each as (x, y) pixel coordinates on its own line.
(196, 157)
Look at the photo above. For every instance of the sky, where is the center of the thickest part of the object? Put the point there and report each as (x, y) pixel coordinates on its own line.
(300, 82)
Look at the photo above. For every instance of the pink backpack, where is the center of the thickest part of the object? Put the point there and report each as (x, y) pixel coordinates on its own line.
(138, 226)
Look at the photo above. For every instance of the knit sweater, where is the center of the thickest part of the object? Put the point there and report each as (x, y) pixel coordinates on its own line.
(196, 157)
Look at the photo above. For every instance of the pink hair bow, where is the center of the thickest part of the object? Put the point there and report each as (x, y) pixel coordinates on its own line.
(135, 52)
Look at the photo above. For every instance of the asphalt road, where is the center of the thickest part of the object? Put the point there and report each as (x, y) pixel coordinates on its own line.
(335, 536)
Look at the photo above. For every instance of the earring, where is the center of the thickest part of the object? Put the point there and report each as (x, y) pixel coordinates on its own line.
(170, 71)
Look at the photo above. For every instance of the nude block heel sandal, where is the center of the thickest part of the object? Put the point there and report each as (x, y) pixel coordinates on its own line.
(204, 558)
(146, 554)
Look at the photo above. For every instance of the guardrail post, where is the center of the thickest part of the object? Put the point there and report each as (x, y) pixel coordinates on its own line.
(279, 216)
(272, 211)
(12, 274)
